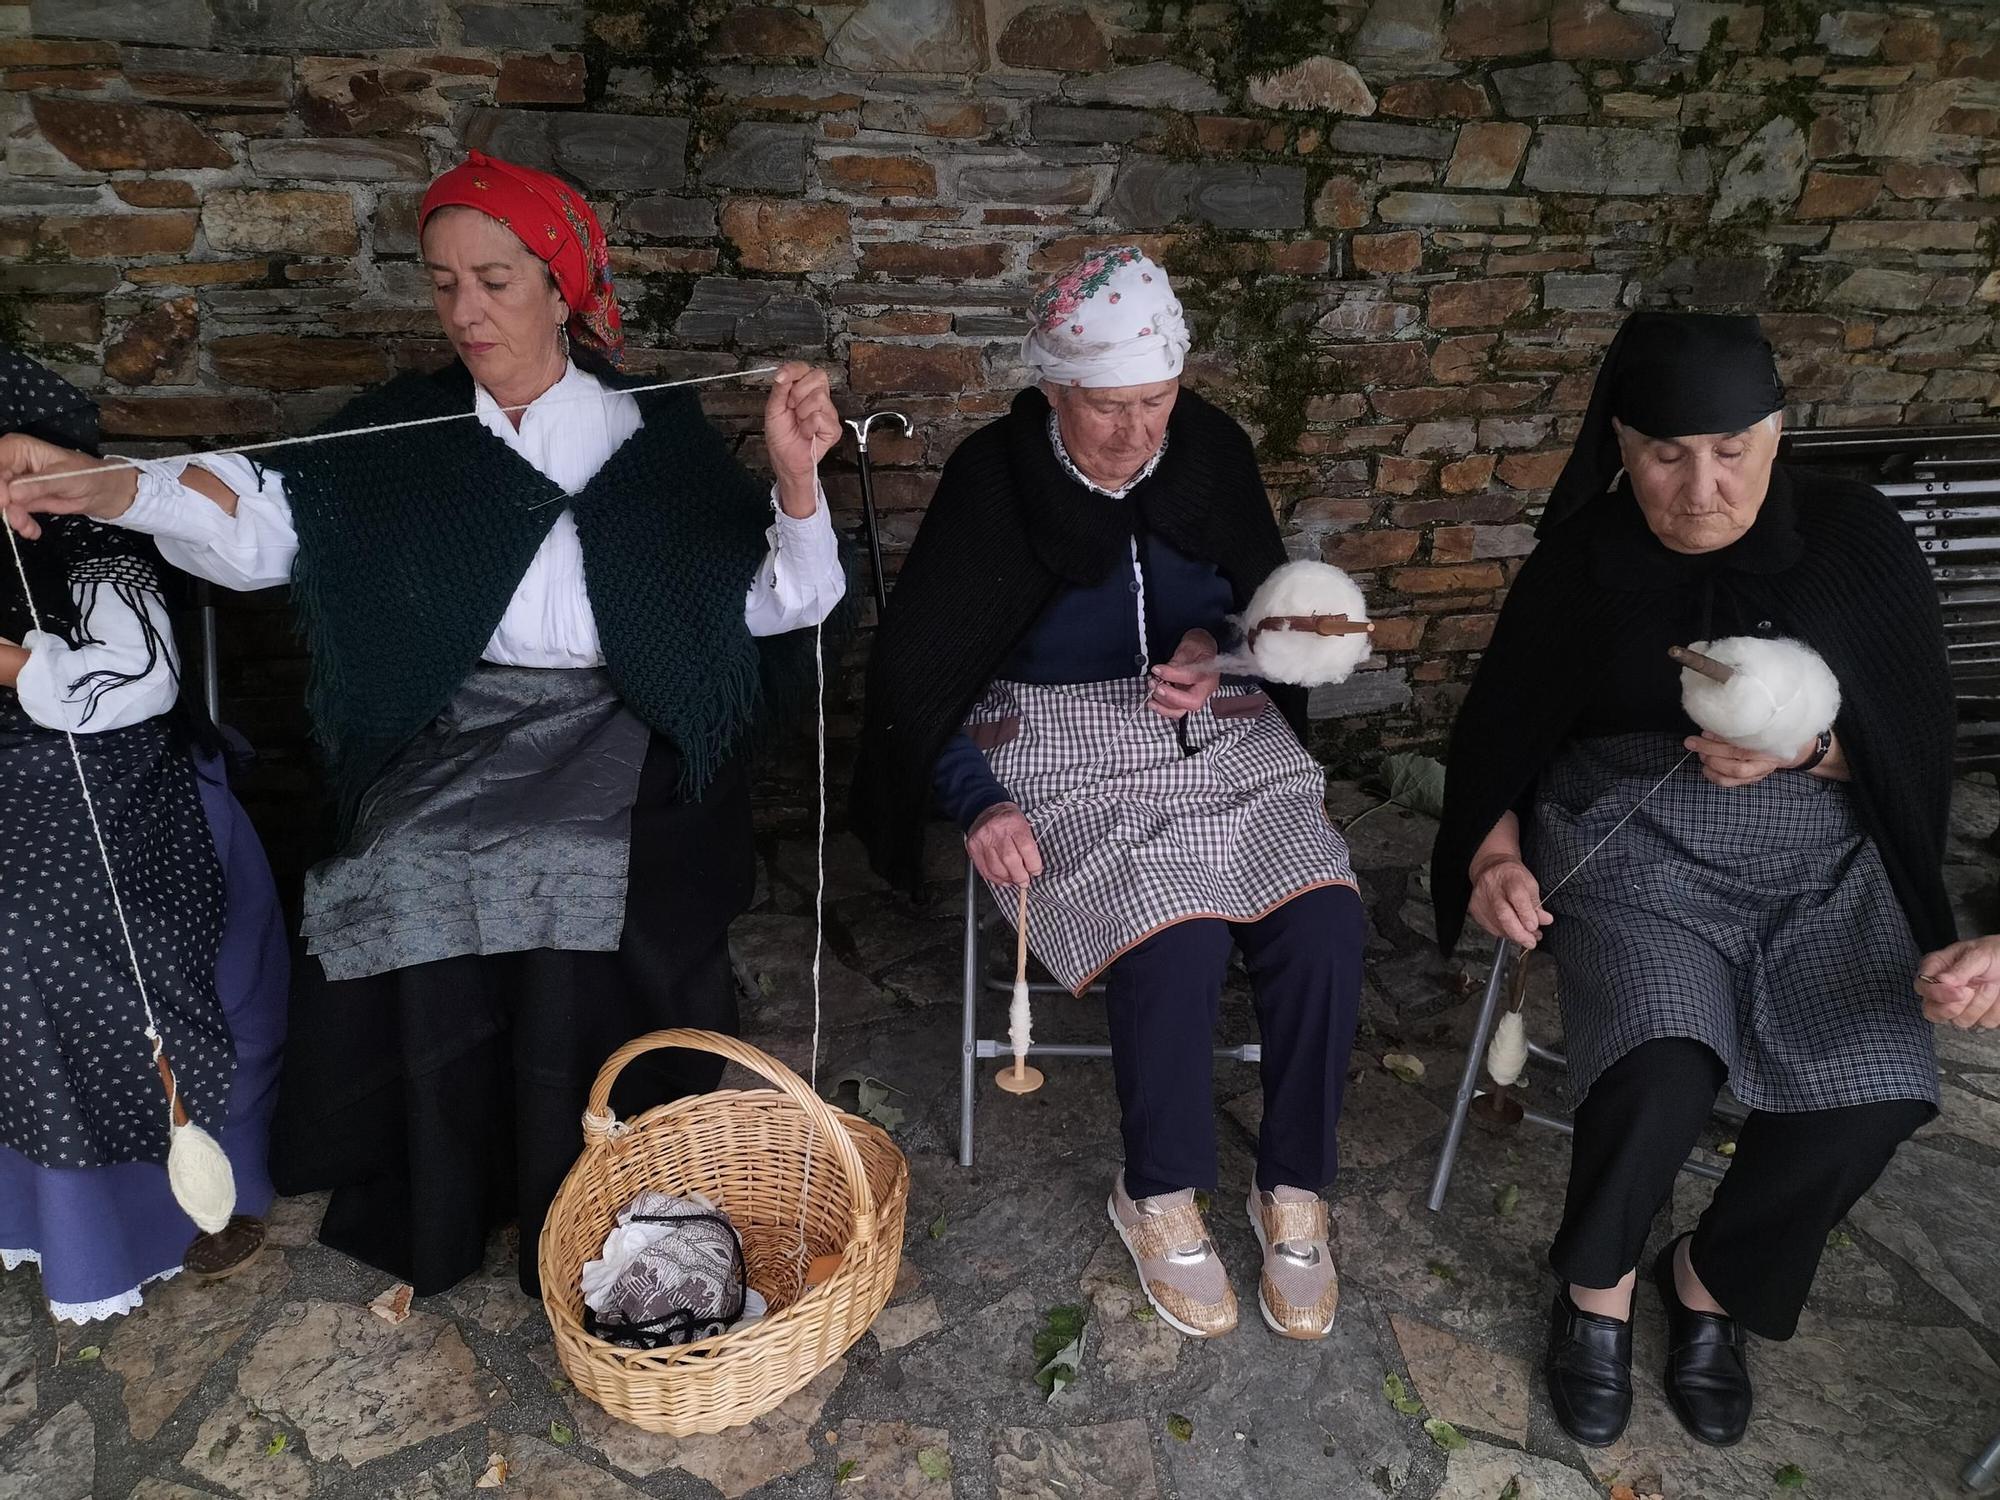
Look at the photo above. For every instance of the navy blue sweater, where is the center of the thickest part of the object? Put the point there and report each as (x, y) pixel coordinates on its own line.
(1090, 633)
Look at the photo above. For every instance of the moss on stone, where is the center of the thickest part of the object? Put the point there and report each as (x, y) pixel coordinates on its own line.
(670, 41)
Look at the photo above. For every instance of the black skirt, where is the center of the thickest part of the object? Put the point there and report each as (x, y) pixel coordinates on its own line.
(442, 1100)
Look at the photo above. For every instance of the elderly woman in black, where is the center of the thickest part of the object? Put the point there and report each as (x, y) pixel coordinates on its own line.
(1757, 920)
(1047, 675)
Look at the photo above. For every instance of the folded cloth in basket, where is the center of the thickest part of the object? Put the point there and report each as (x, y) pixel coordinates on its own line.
(671, 1272)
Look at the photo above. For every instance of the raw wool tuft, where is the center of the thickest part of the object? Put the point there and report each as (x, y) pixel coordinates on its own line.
(1305, 588)
(1781, 698)
(1020, 1018)
(199, 1173)
(1507, 1053)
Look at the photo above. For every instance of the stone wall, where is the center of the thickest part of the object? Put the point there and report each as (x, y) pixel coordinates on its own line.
(1404, 228)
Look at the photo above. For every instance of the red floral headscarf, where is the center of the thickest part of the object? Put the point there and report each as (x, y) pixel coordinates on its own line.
(553, 221)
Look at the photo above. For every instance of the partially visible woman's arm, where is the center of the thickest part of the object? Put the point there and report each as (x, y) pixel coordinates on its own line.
(224, 519)
(800, 580)
(122, 672)
(1506, 897)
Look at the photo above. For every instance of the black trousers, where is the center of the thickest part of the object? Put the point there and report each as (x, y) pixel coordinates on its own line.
(1163, 997)
(443, 1100)
(1757, 1245)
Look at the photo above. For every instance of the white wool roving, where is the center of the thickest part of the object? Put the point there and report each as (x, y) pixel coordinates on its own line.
(1780, 698)
(199, 1173)
(1299, 657)
(1507, 1053)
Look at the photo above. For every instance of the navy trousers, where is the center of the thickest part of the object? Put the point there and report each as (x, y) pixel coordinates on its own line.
(1163, 996)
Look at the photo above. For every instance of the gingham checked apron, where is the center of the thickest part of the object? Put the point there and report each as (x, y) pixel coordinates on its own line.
(1138, 833)
(1757, 920)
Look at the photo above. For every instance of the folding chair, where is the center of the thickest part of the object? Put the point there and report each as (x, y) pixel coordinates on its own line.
(980, 977)
(1983, 1470)
(1468, 1087)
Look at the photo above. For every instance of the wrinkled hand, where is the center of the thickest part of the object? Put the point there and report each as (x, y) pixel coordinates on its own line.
(1002, 846)
(1960, 985)
(1183, 685)
(800, 424)
(1724, 764)
(101, 495)
(1507, 901)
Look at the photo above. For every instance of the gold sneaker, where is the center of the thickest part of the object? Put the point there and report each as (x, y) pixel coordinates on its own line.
(1179, 1270)
(1300, 1289)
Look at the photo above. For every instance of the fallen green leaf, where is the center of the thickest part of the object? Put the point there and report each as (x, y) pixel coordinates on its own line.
(1791, 1477)
(1059, 1348)
(560, 1435)
(1507, 1200)
(935, 1463)
(1406, 1067)
(559, 1385)
(1513, 1490)
(937, 1226)
(1442, 1271)
(1415, 781)
(845, 1470)
(1180, 1428)
(1398, 1395)
(86, 1354)
(278, 1444)
(871, 1098)
(1727, 1148)
(1444, 1434)
(1202, 1200)
(1144, 1313)
(1839, 1239)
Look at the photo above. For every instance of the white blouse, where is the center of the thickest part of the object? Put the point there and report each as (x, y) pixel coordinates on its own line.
(567, 433)
(114, 639)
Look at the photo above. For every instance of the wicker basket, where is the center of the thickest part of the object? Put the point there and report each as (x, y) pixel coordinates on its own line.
(745, 1150)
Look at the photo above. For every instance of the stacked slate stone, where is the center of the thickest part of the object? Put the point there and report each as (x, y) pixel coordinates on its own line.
(1405, 228)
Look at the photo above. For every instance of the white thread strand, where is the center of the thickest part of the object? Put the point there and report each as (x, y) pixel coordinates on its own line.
(103, 849)
(1685, 758)
(819, 914)
(457, 416)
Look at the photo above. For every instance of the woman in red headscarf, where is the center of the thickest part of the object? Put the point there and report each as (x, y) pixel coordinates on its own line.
(539, 641)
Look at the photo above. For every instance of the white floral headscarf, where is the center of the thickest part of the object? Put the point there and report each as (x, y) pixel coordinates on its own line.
(1111, 320)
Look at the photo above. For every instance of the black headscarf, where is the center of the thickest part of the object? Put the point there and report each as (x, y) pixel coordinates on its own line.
(1667, 375)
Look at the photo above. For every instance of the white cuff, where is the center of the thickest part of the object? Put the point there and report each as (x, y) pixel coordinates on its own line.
(807, 539)
(164, 507)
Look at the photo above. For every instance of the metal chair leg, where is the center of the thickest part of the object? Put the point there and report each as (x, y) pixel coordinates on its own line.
(1468, 1083)
(967, 1081)
(1983, 1470)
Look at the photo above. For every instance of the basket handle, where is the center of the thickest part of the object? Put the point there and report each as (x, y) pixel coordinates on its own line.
(601, 1126)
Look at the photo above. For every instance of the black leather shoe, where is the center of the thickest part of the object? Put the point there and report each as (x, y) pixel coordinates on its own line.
(1589, 1371)
(1708, 1367)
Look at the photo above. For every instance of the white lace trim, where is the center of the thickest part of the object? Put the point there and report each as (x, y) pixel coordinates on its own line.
(86, 1312)
(1069, 464)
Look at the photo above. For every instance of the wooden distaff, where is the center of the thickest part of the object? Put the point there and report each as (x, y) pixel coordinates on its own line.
(1708, 666)
(1311, 625)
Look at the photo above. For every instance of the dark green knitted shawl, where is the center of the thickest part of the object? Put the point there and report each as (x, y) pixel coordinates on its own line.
(412, 543)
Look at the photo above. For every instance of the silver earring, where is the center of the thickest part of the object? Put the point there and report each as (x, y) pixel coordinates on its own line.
(562, 340)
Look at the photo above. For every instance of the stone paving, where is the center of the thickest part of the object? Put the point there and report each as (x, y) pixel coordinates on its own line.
(281, 1384)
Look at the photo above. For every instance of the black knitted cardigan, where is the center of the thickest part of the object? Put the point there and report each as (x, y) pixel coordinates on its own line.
(412, 543)
(1828, 561)
(1006, 529)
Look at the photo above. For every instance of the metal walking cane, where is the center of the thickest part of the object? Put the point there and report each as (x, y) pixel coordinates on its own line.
(861, 428)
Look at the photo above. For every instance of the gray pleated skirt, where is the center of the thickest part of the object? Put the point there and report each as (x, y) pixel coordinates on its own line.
(1757, 920)
(506, 825)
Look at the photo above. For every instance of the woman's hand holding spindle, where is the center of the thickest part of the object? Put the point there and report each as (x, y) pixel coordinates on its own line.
(1183, 685)
(1507, 900)
(1002, 846)
(104, 496)
(1961, 984)
(1724, 764)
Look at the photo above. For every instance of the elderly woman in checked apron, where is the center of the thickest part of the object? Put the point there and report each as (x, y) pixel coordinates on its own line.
(1046, 674)
(540, 639)
(1759, 919)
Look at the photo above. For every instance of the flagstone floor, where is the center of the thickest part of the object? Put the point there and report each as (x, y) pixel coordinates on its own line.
(281, 1384)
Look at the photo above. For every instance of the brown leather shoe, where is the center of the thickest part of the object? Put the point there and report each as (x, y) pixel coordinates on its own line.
(213, 1256)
